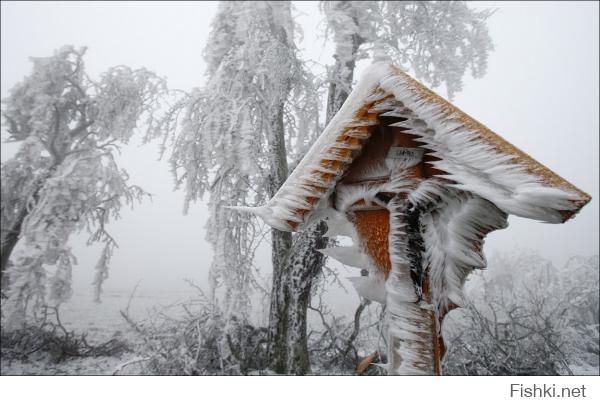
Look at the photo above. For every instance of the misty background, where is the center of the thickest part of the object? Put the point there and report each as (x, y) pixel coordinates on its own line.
(540, 93)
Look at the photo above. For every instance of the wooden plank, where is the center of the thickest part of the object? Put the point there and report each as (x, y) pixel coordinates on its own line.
(373, 227)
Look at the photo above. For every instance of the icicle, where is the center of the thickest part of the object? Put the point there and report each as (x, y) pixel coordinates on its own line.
(266, 214)
(339, 225)
(376, 96)
(362, 135)
(458, 223)
(362, 123)
(400, 113)
(350, 256)
(410, 123)
(464, 153)
(384, 106)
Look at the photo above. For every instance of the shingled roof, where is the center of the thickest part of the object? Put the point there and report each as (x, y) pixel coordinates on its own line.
(467, 153)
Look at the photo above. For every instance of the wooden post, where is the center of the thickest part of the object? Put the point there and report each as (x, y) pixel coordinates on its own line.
(424, 341)
(413, 331)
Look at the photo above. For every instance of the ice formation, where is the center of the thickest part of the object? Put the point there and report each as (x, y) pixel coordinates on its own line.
(437, 223)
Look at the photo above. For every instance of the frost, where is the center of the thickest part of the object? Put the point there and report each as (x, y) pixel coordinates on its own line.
(370, 287)
(466, 155)
(454, 233)
(542, 318)
(235, 138)
(445, 217)
(64, 177)
(436, 41)
(348, 255)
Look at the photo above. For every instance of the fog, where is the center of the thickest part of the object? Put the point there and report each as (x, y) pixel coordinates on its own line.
(540, 93)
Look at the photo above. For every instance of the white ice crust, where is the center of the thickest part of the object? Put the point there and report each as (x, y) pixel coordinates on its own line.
(481, 187)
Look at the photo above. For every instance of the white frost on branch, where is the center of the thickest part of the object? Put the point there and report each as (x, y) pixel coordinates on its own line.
(64, 177)
(259, 99)
(437, 41)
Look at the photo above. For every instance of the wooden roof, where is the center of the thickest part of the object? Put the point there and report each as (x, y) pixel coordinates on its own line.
(473, 157)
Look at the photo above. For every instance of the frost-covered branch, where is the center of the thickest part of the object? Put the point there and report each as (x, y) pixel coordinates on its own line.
(234, 138)
(64, 177)
(437, 41)
(524, 316)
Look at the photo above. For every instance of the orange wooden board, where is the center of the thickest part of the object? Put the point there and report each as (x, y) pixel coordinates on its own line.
(373, 227)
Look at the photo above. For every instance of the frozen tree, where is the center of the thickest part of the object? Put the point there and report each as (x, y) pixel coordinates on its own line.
(526, 316)
(253, 120)
(438, 41)
(64, 177)
(235, 141)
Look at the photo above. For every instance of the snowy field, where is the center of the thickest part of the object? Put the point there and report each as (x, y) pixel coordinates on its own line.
(102, 322)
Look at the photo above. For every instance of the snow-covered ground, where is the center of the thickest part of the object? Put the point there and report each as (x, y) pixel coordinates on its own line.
(101, 322)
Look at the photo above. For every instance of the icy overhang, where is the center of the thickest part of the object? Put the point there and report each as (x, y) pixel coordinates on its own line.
(470, 156)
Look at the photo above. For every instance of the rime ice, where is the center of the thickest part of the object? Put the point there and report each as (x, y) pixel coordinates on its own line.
(438, 211)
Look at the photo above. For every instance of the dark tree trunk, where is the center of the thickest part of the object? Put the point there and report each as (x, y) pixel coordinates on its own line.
(281, 240)
(291, 284)
(289, 304)
(281, 244)
(282, 305)
(9, 241)
(11, 237)
(343, 71)
(340, 85)
(295, 266)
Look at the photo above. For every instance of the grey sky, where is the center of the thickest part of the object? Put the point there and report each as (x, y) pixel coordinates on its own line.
(540, 93)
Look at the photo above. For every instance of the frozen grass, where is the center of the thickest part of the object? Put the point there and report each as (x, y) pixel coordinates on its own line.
(101, 323)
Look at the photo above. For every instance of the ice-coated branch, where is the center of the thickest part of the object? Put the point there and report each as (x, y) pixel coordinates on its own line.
(64, 177)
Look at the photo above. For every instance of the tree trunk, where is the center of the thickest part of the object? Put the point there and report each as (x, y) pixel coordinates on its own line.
(281, 240)
(289, 304)
(343, 72)
(8, 244)
(11, 238)
(281, 243)
(340, 85)
(290, 295)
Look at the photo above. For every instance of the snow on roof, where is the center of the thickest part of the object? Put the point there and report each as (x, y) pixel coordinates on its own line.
(472, 156)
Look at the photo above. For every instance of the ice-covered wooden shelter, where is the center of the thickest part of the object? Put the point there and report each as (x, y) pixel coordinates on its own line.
(417, 184)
